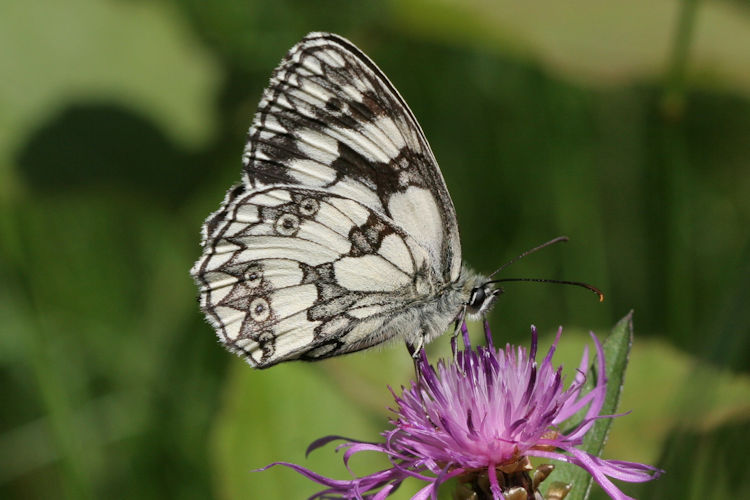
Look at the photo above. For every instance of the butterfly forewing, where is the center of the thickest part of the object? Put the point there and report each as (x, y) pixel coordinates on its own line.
(330, 119)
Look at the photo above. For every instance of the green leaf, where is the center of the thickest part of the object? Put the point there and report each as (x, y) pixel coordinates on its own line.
(616, 353)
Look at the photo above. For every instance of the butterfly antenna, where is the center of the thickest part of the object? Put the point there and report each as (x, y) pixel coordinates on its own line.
(559, 282)
(559, 239)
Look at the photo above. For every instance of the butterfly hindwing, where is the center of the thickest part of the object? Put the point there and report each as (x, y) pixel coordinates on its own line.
(330, 119)
(300, 273)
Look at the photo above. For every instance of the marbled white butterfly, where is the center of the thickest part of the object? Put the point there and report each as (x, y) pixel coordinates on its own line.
(342, 234)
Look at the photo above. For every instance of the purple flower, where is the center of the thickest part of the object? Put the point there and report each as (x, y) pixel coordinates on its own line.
(483, 416)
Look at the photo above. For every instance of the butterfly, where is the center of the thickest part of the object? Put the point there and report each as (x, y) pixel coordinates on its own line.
(342, 234)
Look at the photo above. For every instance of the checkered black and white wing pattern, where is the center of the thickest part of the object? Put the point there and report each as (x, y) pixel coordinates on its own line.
(330, 119)
(342, 234)
(300, 273)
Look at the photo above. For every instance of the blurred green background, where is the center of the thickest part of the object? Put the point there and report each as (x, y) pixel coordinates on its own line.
(624, 125)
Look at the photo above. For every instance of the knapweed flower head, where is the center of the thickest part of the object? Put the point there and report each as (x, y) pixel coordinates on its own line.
(482, 416)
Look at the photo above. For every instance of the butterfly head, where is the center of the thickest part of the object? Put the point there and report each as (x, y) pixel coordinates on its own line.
(481, 299)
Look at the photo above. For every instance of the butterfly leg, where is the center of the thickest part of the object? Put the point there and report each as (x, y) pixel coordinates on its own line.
(415, 351)
(454, 336)
(454, 341)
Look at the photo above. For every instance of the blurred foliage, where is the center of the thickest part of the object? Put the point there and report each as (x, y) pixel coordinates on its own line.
(622, 125)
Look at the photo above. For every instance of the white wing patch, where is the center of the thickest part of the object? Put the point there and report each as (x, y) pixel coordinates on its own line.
(289, 301)
(280, 273)
(369, 273)
(356, 190)
(246, 214)
(387, 141)
(354, 210)
(334, 216)
(311, 172)
(291, 336)
(272, 198)
(394, 250)
(315, 231)
(417, 212)
(280, 247)
(332, 59)
(215, 261)
(318, 146)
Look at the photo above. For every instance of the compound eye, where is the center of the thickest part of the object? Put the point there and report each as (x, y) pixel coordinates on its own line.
(477, 297)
